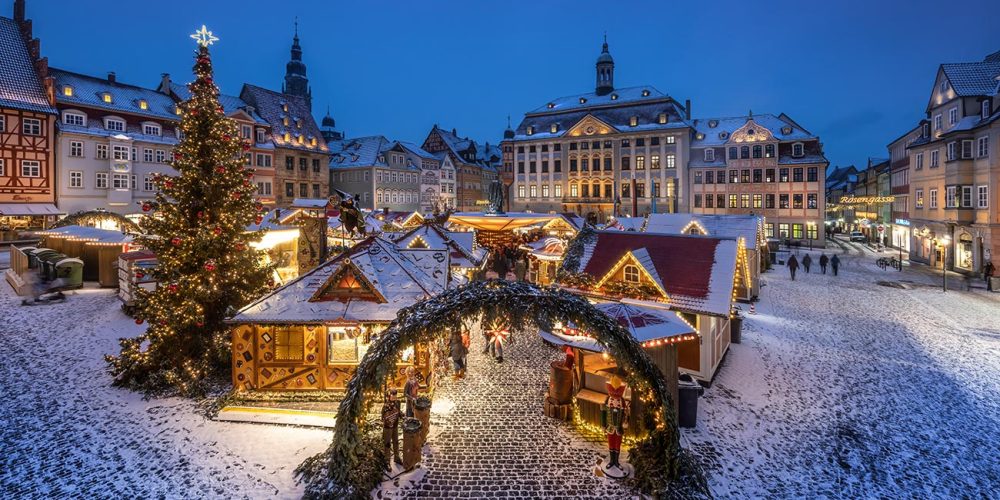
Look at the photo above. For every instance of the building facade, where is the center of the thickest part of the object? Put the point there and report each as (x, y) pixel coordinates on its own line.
(432, 178)
(764, 165)
(955, 173)
(377, 172)
(114, 138)
(27, 130)
(899, 164)
(476, 165)
(600, 154)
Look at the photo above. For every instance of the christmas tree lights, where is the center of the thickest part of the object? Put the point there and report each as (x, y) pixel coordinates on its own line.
(197, 227)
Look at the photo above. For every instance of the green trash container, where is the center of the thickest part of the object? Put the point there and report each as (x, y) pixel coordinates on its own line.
(71, 270)
(49, 265)
(34, 258)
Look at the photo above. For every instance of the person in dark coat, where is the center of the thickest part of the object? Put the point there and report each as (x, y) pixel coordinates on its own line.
(823, 261)
(835, 264)
(988, 271)
(806, 262)
(793, 265)
(458, 352)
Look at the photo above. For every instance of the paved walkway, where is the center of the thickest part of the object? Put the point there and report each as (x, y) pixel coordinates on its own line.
(490, 438)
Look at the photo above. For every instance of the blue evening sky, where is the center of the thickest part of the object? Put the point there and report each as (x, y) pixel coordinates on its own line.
(857, 73)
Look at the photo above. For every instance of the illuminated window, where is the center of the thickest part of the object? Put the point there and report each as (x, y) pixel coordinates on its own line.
(663, 118)
(633, 121)
(631, 274)
(106, 97)
(143, 104)
(288, 343)
(554, 128)
(68, 91)
(288, 137)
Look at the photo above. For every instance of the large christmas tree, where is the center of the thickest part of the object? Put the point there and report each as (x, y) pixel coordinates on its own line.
(198, 229)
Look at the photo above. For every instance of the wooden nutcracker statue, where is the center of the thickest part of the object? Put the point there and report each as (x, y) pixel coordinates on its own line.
(614, 419)
(390, 424)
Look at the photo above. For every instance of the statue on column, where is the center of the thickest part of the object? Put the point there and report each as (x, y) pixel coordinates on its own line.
(614, 419)
(495, 198)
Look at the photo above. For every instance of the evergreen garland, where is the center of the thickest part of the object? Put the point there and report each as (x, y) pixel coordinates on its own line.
(352, 466)
(207, 269)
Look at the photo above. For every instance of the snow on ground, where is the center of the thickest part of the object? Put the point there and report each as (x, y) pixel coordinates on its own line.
(66, 433)
(846, 388)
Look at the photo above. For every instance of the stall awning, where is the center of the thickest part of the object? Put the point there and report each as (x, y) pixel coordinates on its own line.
(504, 222)
(9, 209)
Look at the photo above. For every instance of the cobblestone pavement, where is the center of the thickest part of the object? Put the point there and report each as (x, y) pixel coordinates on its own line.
(490, 438)
(65, 433)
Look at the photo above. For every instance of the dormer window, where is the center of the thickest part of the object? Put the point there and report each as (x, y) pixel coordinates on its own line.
(284, 121)
(260, 136)
(530, 130)
(631, 274)
(70, 118)
(645, 93)
(583, 100)
(298, 123)
(699, 136)
(106, 97)
(786, 130)
(633, 121)
(312, 142)
(662, 118)
(151, 129)
(925, 129)
(986, 109)
(713, 123)
(114, 124)
(288, 137)
(143, 104)
(723, 135)
(284, 107)
(68, 91)
(709, 155)
(177, 110)
(798, 150)
(301, 139)
(614, 97)
(551, 105)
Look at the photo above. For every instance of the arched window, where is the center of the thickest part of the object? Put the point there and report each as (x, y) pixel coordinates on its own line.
(585, 190)
(798, 149)
(744, 152)
(631, 274)
(769, 151)
(758, 151)
(733, 153)
(574, 190)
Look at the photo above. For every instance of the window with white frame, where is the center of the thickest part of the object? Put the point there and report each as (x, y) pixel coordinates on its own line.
(102, 152)
(950, 201)
(952, 151)
(31, 126)
(161, 156)
(119, 181)
(76, 179)
(120, 153)
(147, 155)
(260, 136)
(918, 198)
(102, 180)
(918, 160)
(245, 131)
(932, 198)
(983, 146)
(74, 118)
(114, 125)
(263, 188)
(671, 139)
(671, 161)
(709, 154)
(935, 158)
(937, 122)
(798, 149)
(534, 191)
(557, 191)
(631, 273)
(132, 182)
(983, 196)
(545, 190)
(134, 156)
(263, 160)
(967, 148)
(952, 116)
(986, 109)
(966, 196)
(151, 129)
(147, 183)
(76, 149)
(520, 191)
(30, 168)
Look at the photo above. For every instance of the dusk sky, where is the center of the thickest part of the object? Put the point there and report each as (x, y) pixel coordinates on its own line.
(857, 73)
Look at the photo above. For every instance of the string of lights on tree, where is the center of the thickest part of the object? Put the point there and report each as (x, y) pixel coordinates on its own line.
(197, 227)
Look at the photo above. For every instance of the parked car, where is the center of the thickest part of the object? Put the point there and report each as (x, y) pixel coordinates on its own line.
(858, 236)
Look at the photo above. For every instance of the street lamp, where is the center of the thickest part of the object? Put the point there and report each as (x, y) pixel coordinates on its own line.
(943, 242)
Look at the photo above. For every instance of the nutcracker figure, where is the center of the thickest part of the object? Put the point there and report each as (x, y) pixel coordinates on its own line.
(614, 419)
(390, 424)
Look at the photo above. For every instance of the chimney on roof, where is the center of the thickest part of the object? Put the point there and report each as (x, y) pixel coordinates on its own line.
(111, 77)
(165, 83)
(25, 26)
(454, 132)
(687, 108)
(19, 11)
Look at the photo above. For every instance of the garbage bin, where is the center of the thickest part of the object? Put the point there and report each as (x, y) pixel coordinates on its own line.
(71, 270)
(48, 262)
(736, 329)
(687, 405)
(35, 257)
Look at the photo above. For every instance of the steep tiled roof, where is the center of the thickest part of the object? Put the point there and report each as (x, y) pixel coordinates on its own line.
(230, 103)
(89, 91)
(402, 277)
(973, 78)
(271, 105)
(717, 131)
(359, 152)
(616, 113)
(20, 87)
(697, 272)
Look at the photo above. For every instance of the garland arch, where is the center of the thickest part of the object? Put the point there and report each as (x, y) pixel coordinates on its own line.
(352, 466)
(82, 218)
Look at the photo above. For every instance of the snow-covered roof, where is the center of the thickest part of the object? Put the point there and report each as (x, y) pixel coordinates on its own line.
(89, 91)
(397, 279)
(617, 97)
(133, 132)
(646, 322)
(461, 246)
(20, 87)
(271, 105)
(626, 223)
(551, 249)
(459, 146)
(718, 131)
(230, 103)
(748, 227)
(696, 272)
(359, 152)
(87, 233)
(973, 78)
(417, 150)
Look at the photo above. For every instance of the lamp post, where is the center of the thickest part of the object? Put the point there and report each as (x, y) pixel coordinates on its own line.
(943, 242)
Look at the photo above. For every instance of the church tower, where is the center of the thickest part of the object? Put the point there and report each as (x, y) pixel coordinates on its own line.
(605, 71)
(296, 82)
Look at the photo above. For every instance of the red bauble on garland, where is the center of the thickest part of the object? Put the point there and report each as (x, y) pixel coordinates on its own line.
(258, 219)
(210, 265)
(221, 169)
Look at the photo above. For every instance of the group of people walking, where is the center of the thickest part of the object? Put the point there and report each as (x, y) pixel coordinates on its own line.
(824, 261)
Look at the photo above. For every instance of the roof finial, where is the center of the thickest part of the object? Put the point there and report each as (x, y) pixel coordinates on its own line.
(296, 26)
(327, 110)
(604, 48)
(751, 113)
(508, 121)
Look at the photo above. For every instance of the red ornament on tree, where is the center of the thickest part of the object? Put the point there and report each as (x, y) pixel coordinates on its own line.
(178, 156)
(246, 147)
(259, 219)
(146, 207)
(172, 287)
(238, 247)
(217, 230)
(138, 321)
(221, 169)
(175, 241)
(226, 137)
(168, 183)
(237, 195)
(210, 265)
(200, 214)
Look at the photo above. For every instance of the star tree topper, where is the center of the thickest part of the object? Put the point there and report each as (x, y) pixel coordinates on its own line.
(204, 37)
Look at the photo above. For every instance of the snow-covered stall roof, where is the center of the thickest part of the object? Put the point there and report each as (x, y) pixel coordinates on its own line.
(649, 325)
(461, 246)
(551, 249)
(697, 273)
(370, 282)
(626, 223)
(748, 227)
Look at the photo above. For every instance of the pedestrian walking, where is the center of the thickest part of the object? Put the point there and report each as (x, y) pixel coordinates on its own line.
(806, 262)
(835, 264)
(458, 351)
(823, 261)
(793, 265)
(988, 271)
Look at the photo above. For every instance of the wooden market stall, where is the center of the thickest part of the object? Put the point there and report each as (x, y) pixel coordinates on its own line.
(311, 333)
(657, 328)
(97, 248)
(544, 257)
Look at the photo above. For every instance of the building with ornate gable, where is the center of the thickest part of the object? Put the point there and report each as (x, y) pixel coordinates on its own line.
(476, 165)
